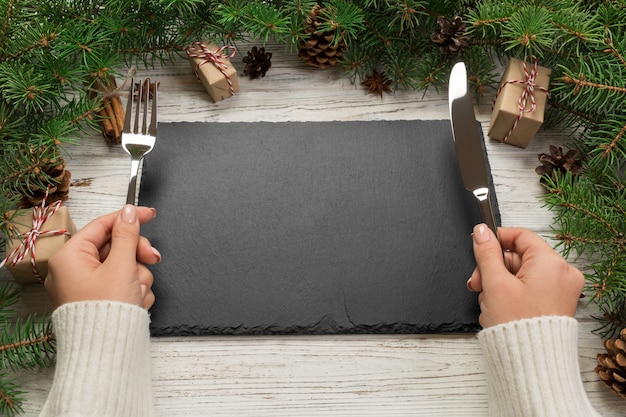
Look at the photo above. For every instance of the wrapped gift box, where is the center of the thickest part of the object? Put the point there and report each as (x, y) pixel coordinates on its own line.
(45, 245)
(215, 76)
(506, 110)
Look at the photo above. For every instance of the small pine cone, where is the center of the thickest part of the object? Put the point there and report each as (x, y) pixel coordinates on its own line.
(59, 184)
(556, 161)
(257, 62)
(611, 366)
(318, 50)
(59, 191)
(450, 35)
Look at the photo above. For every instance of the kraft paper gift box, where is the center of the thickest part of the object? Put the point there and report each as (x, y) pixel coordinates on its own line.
(214, 80)
(45, 245)
(506, 108)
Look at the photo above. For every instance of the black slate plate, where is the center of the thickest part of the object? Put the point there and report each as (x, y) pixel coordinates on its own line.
(309, 227)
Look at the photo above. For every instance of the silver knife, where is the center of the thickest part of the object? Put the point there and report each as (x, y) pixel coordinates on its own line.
(469, 148)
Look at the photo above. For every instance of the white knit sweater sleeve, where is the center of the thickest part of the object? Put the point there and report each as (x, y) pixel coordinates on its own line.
(532, 369)
(103, 361)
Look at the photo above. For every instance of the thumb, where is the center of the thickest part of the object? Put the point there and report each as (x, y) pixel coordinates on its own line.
(488, 254)
(125, 237)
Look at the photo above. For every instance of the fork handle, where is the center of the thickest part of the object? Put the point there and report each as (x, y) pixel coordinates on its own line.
(132, 183)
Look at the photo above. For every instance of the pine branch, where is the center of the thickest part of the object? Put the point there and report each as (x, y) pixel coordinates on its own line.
(24, 344)
(589, 221)
(609, 150)
(11, 396)
(581, 83)
(9, 296)
(27, 343)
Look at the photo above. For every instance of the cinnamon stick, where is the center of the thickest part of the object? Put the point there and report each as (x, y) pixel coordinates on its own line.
(113, 119)
(107, 127)
(118, 109)
(112, 113)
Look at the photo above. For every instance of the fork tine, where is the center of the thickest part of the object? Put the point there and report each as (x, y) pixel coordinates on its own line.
(146, 86)
(129, 107)
(138, 109)
(153, 116)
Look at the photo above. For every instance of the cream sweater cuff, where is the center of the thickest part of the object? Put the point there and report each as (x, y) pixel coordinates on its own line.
(103, 361)
(532, 369)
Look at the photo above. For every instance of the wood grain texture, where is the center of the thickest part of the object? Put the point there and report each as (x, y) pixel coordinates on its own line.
(433, 375)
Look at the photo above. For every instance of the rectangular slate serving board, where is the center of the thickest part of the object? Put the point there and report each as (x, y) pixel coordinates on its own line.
(309, 228)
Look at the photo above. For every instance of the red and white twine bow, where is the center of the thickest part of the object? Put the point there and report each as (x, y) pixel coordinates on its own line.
(41, 214)
(201, 51)
(529, 81)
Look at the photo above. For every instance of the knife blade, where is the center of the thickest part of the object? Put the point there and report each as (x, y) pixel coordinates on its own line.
(468, 145)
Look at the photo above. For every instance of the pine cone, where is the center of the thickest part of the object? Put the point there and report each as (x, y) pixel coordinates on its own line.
(257, 62)
(556, 161)
(53, 168)
(318, 49)
(612, 365)
(450, 36)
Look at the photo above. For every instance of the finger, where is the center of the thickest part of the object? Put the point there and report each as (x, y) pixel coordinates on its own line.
(488, 254)
(519, 240)
(512, 261)
(146, 254)
(125, 238)
(483, 317)
(148, 299)
(474, 283)
(145, 276)
(98, 231)
(104, 251)
(146, 280)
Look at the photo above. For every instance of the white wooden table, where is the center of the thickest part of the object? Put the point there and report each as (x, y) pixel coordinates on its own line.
(355, 375)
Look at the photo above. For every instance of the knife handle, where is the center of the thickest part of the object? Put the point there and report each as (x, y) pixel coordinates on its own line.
(486, 211)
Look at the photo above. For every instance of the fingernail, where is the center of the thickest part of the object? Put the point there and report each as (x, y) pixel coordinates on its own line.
(469, 284)
(157, 253)
(481, 233)
(154, 212)
(129, 213)
(144, 289)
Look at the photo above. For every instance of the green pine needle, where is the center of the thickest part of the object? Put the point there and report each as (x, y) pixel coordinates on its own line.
(26, 344)
(11, 396)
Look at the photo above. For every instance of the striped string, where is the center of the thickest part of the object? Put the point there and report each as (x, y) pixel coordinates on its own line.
(529, 81)
(216, 57)
(41, 214)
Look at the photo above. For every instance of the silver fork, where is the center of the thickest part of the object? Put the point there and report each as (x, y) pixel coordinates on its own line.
(139, 143)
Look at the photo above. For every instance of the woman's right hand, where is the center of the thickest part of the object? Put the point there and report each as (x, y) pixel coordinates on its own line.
(539, 282)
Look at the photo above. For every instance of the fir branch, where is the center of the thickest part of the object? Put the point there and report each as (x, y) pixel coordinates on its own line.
(401, 68)
(344, 19)
(11, 396)
(182, 7)
(530, 31)
(570, 239)
(23, 168)
(9, 294)
(580, 83)
(44, 41)
(609, 148)
(577, 116)
(27, 343)
(615, 236)
(611, 49)
(23, 345)
(478, 22)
